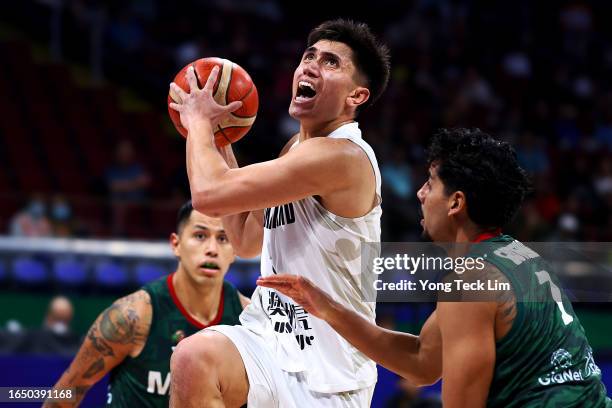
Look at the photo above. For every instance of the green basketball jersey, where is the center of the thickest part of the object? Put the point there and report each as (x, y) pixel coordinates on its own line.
(144, 381)
(545, 359)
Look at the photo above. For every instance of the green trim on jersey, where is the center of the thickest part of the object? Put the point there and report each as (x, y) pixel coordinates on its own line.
(545, 359)
(144, 381)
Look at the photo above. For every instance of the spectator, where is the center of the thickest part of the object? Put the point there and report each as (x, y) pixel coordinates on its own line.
(127, 179)
(55, 336)
(32, 221)
(59, 316)
(532, 155)
(127, 182)
(62, 219)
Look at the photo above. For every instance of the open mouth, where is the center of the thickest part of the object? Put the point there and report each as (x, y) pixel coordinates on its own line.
(305, 91)
(209, 265)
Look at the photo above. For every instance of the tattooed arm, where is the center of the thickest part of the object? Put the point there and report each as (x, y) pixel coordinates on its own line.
(120, 331)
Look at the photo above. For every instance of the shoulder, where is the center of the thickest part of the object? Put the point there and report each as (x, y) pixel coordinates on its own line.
(337, 152)
(288, 145)
(244, 301)
(140, 298)
(477, 283)
(128, 315)
(235, 295)
(231, 291)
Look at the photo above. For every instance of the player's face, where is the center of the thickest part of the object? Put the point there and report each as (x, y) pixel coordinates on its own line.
(203, 248)
(323, 82)
(434, 205)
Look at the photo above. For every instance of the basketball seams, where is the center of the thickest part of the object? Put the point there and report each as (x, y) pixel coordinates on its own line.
(242, 100)
(195, 71)
(223, 133)
(234, 126)
(229, 82)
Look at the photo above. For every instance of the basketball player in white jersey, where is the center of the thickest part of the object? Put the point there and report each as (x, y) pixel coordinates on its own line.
(322, 200)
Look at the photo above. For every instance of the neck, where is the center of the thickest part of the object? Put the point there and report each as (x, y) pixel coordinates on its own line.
(200, 301)
(473, 233)
(310, 130)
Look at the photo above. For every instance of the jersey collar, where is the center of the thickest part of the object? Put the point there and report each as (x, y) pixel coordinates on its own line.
(487, 235)
(184, 311)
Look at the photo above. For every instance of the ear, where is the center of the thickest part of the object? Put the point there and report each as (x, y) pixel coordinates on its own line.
(174, 244)
(359, 96)
(456, 203)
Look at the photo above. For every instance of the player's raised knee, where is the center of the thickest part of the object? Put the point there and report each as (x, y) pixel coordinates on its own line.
(197, 354)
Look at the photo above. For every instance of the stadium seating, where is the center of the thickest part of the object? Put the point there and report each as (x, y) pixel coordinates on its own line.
(3, 273)
(28, 271)
(110, 275)
(147, 272)
(69, 272)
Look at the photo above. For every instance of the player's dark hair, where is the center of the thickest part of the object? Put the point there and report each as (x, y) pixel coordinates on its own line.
(371, 57)
(183, 215)
(486, 170)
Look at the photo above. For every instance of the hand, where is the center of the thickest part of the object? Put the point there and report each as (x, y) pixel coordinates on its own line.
(199, 104)
(302, 291)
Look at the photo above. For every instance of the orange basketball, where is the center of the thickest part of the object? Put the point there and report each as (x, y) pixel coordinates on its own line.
(233, 84)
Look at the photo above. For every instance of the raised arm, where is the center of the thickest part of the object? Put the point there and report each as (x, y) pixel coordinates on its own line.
(317, 166)
(416, 358)
(119, 331)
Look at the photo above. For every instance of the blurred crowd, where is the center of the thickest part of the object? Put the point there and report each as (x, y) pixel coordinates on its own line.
(53, 336)
(532, 73)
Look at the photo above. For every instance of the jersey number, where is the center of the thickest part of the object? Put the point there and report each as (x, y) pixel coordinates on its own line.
(544, 277)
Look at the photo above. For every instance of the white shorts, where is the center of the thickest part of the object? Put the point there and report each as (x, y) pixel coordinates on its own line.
(271, 387)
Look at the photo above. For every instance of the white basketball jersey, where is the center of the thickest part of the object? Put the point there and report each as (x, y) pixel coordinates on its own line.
(303, 238)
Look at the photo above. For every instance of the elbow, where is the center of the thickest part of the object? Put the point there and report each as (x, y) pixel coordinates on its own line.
(424, 380)
(421, 377)
(244, 248)
(204, 201)
(248, 252)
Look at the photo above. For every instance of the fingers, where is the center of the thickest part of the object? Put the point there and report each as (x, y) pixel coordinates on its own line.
(278, 279)
(176, 93)
(192, 80)
(212, 78)
(274, 285)
(177, 107)
(233, 106)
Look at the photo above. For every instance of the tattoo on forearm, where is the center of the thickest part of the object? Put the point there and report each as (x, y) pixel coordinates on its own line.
(94, 368)
(80, 391)
(123, 325)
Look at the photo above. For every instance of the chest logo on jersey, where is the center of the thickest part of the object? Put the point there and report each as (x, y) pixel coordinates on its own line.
(156, 384)
(277, 216)
(564, 370)
(176, 338)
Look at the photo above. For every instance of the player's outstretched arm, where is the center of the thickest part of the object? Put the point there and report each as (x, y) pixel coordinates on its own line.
(416, 358)
(468, 340)
(118, 332)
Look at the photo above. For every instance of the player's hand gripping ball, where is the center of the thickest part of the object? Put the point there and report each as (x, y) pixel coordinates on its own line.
(232, 84)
